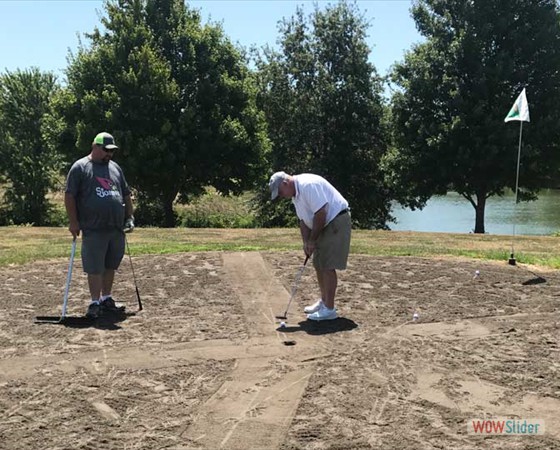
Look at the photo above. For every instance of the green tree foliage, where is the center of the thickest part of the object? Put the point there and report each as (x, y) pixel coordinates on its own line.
(28, 159)
(455, 89)
(322, 100)
(178, 98)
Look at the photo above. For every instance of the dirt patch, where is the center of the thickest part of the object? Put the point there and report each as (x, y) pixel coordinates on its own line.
(205, 365)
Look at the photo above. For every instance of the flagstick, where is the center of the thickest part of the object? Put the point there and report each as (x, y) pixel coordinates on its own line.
(512, 257)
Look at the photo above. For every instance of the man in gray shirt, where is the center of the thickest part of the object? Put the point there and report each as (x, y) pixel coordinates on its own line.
(98, 203)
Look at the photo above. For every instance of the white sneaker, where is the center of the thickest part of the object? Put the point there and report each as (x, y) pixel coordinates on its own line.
(323, 314)
(314, 307)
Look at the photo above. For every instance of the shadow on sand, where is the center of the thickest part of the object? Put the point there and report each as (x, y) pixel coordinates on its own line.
(322, 327)
(532, 281)
(108, 321)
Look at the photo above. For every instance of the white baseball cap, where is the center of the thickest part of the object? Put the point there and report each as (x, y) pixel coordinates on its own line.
(274, 183)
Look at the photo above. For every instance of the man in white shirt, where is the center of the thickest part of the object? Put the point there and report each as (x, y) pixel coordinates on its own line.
(325, 226)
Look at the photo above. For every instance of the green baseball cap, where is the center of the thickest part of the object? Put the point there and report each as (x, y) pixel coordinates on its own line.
(106, 140)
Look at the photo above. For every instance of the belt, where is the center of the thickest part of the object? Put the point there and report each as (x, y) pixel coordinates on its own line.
(344, 211)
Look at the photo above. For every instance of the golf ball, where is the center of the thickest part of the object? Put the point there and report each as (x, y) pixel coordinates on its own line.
(282, 324)
(415, 316)
(477, 272)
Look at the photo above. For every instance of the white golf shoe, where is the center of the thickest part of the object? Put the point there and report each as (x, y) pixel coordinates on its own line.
(314, 307)
(323, 314)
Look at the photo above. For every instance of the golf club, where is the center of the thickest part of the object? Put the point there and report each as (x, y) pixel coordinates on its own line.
(133, 274)
(294, 288)
(49, 319)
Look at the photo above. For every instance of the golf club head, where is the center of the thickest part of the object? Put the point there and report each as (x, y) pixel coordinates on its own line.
(281, 317)
(140, 307)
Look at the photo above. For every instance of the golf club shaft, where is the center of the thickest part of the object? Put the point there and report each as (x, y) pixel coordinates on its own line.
(296, 283)
(140, 308)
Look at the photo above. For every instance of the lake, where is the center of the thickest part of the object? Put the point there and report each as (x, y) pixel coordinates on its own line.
(453, 214)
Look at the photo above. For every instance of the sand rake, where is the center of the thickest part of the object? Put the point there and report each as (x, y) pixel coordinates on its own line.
(63, 318)
(294, 289)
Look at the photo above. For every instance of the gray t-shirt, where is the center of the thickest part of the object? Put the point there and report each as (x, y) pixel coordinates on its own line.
(99, 189)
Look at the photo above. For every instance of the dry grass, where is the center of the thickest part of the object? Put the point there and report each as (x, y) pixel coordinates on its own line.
(24, 244)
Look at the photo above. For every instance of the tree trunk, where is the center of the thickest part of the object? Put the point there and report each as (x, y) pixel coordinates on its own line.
(169, 215)
(480, 207)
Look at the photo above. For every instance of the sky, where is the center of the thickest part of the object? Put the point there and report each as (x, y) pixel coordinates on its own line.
(39, 33)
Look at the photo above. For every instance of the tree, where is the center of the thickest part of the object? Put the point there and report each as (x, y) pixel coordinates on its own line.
(178, 97)
(28, 160)
(455, 89)
(322, 100)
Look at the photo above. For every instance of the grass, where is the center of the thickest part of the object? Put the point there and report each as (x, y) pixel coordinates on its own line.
(20, 245)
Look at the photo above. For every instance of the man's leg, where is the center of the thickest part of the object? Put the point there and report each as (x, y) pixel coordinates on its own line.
(93, 253)
(328, 282)
(320, 282)
(95, 283)
(331, 251)
(107, 284)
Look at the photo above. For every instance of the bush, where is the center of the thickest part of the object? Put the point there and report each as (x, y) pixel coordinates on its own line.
(213, 210)
(196, 219)
(57, 216)
(150, 213)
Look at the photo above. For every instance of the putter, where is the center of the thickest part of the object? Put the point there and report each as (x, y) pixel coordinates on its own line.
(62, 318)
(140, 308)
(294, 288)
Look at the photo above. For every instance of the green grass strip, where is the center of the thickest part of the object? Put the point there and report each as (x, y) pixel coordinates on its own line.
(22, 245)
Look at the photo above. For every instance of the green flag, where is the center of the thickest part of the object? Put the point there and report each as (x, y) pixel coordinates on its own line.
(520, 109)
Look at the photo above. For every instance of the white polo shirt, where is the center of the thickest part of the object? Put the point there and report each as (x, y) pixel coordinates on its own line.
(312, 193)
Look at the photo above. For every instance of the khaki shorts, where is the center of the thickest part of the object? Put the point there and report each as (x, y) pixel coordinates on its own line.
(333, 244)
(102, 250)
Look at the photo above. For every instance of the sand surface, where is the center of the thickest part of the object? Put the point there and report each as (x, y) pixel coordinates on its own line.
(204, 365)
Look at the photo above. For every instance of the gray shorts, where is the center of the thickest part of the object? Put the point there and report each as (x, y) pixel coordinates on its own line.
(333, 244)
(102, 250)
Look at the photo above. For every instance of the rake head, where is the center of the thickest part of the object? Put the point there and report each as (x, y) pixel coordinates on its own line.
(57, 320)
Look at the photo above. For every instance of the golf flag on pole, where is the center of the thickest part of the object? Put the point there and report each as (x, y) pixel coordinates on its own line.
(520, 109)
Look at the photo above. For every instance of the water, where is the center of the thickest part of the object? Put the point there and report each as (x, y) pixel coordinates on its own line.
(453, 214)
